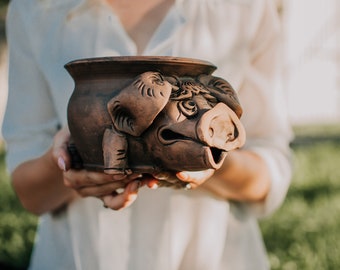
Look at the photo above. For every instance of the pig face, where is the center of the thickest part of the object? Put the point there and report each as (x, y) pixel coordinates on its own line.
(170, 123)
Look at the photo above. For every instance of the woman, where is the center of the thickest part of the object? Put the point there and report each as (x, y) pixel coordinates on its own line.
(213, 226)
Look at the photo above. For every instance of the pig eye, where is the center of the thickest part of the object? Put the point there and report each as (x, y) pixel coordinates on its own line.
(211, 99)
(180, 94)
(193, 87)
(188, 108)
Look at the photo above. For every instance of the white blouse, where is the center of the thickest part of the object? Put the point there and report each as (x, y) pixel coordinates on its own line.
(165, 228)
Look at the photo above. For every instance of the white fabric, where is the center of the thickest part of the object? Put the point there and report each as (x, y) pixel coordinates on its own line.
(163, 229)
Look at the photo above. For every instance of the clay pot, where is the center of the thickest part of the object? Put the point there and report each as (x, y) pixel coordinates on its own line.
(150, 114)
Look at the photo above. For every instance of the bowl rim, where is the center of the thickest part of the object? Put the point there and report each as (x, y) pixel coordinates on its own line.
(121, 64)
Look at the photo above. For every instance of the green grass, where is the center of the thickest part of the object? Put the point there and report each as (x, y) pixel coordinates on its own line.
(17, 227)
(3, 11)
(304, 234)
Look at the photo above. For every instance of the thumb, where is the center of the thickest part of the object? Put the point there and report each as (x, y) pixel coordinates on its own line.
(59, 150)
(195, 177)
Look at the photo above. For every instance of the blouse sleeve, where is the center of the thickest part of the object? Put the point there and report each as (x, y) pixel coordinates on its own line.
(30, 119)
(265, 115)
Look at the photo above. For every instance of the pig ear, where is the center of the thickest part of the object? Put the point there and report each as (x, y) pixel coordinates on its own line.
(223, 92)
(136, 106)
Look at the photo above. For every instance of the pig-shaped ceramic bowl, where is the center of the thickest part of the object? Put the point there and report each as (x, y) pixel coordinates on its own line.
(151, 114)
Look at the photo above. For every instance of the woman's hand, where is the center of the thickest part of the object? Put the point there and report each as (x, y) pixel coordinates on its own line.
(196, 178)
(244, 176)
(184, 179)
(116, 191)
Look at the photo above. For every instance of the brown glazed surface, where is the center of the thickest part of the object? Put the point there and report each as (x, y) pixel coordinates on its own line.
(150, 114)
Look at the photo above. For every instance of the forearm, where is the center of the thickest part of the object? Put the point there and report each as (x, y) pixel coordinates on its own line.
(39, 185)
(244, 176)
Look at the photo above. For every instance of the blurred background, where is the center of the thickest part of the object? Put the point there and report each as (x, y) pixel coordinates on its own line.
(305, 232)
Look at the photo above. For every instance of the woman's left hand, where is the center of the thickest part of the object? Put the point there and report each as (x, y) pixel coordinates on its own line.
(183, 179)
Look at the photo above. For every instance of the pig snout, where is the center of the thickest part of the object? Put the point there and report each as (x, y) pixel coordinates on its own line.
(221, 128)
(208, 139)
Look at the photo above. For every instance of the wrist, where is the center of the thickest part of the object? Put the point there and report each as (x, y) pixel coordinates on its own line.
(244, 176)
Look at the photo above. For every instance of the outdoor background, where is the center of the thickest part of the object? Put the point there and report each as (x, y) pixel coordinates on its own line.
(304, 233)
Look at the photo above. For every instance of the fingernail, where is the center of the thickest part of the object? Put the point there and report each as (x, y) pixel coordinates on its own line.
(183, 176)
(61, 164)
(154, 186)
(120, 190)
(131, 199)
(188, 186)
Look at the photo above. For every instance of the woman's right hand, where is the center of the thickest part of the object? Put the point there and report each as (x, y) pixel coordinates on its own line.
(116, 191)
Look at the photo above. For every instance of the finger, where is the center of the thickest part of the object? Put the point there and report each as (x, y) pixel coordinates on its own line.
(152, 183)
(101, 190)
(127, 177)
(166, 176)
(148, 180)
(82, 178)
(191, 176)
(119, 177)
(59, 150)
(135, 176)
(195, 178)
(126, 198)
(162, 175)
